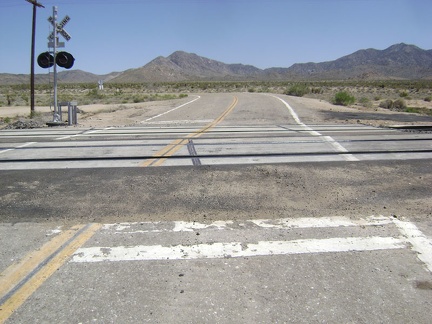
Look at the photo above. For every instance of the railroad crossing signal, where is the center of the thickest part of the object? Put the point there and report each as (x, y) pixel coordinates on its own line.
(62, 59)
(52, 58)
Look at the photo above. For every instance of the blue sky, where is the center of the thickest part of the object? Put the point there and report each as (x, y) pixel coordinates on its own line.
(115, 35)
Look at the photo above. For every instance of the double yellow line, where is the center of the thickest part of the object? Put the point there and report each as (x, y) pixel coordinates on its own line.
(20, 280)
(173, 147)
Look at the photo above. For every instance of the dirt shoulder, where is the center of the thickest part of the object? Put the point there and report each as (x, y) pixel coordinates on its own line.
(356, 114)
(93, 116)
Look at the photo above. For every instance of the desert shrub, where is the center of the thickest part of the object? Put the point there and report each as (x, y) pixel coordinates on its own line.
(7, 120)
(418, 110)
(403, 94)
(65, 97)
(365, 102)
(428, 99)
(399, 104)
(9, 99)
(298, 90)
(387, 104)
(94, 94)
(35, 114)
(137, 99)
(343, 98)
(25, 98)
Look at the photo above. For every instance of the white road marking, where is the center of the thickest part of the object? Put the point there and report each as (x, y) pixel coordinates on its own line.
(166, 112)
(235, 249)
(281, 223)
(188, 121)
(420, 243)
(181, 226)
(83, 134)
(321, 222)
(337, 146)
(291, 110)
(410, 237)
(18, 147)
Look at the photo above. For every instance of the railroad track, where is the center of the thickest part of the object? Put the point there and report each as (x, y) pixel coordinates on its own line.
(167, 146)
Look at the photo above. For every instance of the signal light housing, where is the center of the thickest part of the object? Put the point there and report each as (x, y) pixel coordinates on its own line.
(65, 60)
(45, 60)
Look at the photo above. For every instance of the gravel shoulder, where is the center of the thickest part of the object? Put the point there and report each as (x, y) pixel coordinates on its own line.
(373, 116)
(210, 193)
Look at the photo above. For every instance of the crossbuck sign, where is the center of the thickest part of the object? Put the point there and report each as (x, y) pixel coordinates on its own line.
(59, 28)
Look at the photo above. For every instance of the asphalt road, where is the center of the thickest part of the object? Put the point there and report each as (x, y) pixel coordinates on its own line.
(230, 208)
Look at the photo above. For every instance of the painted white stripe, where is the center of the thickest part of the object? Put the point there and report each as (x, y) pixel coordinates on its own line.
(18, 147)
(181, 226)
(420, 243)
(321, 222)
(291, 110)
(235, 249)
(281, 223)
(83, 134)
(166, 112)
(177, 226)
(186, 121)
(336, 145)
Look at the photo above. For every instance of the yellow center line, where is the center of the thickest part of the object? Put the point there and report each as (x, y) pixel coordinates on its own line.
(173, 147)
(17, 271)
(19, 281)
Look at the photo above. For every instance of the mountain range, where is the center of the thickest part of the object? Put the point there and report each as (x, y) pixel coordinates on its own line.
(400, 61)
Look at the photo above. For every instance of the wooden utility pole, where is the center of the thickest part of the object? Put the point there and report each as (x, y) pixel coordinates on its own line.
(32, 90)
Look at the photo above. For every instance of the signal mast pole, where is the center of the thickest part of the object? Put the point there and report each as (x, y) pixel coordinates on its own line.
(56, 113)
(32, 90)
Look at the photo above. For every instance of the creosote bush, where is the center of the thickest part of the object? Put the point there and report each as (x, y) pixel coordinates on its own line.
(343, 98)
(387, 104)
(398, 104)
(298, 90)
(6, 120)
(365, 102)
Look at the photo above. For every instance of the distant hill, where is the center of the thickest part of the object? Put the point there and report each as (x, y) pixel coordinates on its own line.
(67, 76)
(181, 66)
(78, 76)
(12, 79)
(400, 61)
